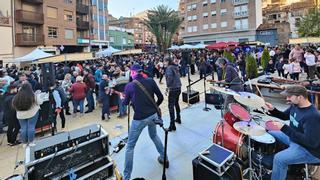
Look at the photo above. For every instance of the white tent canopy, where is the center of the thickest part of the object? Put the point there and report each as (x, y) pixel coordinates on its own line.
(107, 52)
(199, 46)
(186, 46)
(32, 56)
(174, 47)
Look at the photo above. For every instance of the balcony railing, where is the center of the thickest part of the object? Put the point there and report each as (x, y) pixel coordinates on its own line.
(33, 1)
(23, 39)
(82, 25)
(241, 14)
(239, 2)
(82, 9)
(28, 17)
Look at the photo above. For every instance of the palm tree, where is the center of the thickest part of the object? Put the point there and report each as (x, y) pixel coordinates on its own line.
(163, 22)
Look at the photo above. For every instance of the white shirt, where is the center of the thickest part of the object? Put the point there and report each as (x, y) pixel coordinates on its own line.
(310, 59)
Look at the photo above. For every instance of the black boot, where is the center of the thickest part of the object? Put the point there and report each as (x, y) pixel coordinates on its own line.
(172, 127)
(178, 120)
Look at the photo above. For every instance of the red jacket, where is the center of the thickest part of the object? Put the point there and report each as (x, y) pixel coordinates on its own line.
(78, 91)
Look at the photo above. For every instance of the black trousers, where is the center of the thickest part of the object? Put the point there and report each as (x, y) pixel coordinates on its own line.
(13, 130)
(174, 104)
(192, 68)
(62, 117)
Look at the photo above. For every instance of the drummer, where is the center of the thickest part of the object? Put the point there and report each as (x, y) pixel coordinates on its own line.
(232, 78)
(302, 135)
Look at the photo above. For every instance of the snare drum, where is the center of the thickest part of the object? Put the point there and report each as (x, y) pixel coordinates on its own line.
(233, 140)
(236, 113)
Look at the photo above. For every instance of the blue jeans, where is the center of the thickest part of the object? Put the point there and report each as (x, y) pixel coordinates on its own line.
(122, 107)
(1, 122)
(77, 103)
(294, 154)
(28, 128)
(135, 130)
(90, 100)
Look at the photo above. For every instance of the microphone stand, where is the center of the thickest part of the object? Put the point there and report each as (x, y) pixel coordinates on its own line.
(206, 108)
(166, 131)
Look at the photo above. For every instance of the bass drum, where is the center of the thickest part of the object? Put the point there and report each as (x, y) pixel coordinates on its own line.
(233, 140)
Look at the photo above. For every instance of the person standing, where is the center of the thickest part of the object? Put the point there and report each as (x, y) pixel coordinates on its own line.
(88, 79)
(10, 116)
(104, 96)
(311, 63)
(145, 114)
(174, 88)
(26, 103)
(78, 91)
(301, 135)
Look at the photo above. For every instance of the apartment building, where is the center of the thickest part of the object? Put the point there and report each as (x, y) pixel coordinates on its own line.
(6, 45)
(209, 21)
(288, 11)
(121, 38)
(99, 24)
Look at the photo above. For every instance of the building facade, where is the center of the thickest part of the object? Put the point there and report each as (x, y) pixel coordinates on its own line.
(209, 21)
(6, 45)
(121, 38)
(292, 12)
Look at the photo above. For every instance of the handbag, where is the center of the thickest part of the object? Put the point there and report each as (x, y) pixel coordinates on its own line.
(159, 120)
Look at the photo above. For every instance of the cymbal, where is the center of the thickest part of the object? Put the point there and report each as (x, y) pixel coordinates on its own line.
(249, 128)
(225, 90)
(249, 99)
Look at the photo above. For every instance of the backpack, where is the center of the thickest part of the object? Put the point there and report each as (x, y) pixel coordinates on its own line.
(62, 94)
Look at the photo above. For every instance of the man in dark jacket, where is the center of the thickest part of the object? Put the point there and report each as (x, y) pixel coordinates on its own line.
(174, 88)
(302, 135)
(91, 84)
(145, 114)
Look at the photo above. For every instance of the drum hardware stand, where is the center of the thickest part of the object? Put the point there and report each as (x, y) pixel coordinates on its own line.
(205, 90)
(260, 165)
(249, 169)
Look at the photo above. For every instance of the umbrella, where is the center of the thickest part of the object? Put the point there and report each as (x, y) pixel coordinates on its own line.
(232, 43)
(200, 46)
(34, 55)
(219, 45)
(186, 46)
(174, 47)
(107, 52)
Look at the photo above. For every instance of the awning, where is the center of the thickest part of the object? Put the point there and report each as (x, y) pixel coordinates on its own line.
(67, 57)
(305, 40)
(128, 52)
(107, 52)
(32, 56)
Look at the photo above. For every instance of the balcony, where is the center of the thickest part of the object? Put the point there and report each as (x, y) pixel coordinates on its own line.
(82, 25)
(241, 14)
(29, 17)
(82, 9)
(23, 39)
(33, 1)
(239, 2)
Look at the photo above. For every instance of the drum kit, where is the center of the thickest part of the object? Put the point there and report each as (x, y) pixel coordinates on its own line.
(239, 131)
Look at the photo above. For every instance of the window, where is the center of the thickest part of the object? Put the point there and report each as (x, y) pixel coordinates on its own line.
(194, 17)
(194, 6)
(205, 15)
(213, 13)
(205, 3)
(205, 26)
(245, 24)
(52, 32)
(29, 33)
(68, 34)
(52, 12)
(94, 2)
(190, 29)
(195, 28)
(213, 1)
(223, 12)
(244, 10)
(237, 11)
(129, 41)
(189, 18)
(224, 24)
(237, 24)
(214, 25)
(189, 8)
(124, 41)
(68, 15)
(68, 1)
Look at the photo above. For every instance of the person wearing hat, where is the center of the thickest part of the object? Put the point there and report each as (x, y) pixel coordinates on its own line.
(301, 135)
(174, 88)
(145, 114)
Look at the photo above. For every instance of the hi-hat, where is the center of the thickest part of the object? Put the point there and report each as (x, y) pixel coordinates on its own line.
(249, 128)
(249, 99)
(225, 90)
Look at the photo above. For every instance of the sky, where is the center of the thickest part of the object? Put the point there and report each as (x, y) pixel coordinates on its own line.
(127, 7)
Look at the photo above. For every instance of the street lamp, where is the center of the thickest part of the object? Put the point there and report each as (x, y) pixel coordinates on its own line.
(121, 24)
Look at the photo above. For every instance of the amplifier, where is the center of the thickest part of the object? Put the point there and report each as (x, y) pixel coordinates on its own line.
(53, 156)
(193, 97)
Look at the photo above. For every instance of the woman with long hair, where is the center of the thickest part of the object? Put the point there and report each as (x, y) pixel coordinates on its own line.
(27, 106)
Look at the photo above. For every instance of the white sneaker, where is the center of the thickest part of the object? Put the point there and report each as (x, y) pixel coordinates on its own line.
(31, 144)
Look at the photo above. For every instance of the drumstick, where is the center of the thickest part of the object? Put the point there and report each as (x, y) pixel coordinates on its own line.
(259, 91)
